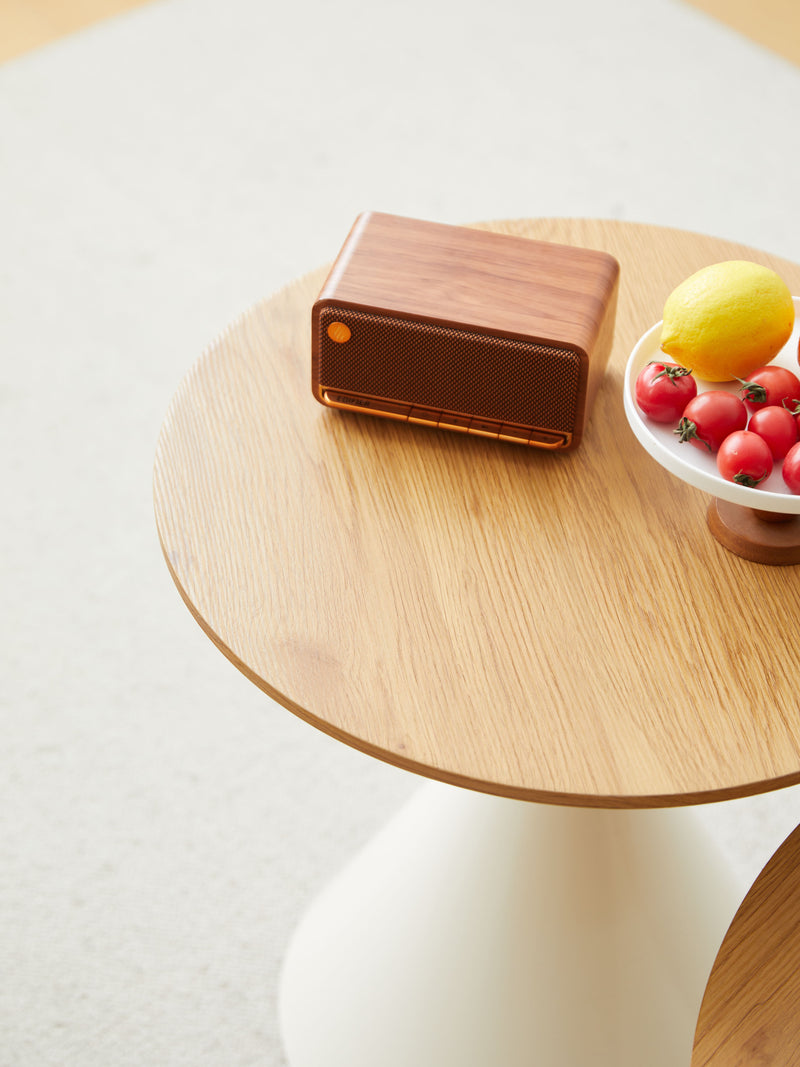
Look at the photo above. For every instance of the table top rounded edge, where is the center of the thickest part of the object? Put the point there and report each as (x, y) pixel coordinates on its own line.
(655, 800)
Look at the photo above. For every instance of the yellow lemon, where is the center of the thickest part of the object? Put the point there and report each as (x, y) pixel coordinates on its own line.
(727, 319)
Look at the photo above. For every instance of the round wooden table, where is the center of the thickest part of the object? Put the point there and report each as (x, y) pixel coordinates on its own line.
(551, 628)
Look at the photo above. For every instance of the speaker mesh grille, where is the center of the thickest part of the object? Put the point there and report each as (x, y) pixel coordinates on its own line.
(475, 374)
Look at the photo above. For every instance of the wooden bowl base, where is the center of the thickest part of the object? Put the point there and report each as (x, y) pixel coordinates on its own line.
(763, 537)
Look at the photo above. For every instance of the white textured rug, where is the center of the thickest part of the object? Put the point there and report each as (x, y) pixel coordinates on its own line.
(162, 823)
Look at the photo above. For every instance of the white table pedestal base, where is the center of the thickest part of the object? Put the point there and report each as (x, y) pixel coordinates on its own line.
(476, 931)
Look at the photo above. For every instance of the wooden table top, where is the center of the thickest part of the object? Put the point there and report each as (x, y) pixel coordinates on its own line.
(749, 1012)
(551, 627)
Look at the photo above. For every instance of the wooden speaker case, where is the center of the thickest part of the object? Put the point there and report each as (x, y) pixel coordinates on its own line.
(464, 329)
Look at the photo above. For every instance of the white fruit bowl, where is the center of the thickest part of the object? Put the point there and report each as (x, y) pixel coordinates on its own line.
(686, 461)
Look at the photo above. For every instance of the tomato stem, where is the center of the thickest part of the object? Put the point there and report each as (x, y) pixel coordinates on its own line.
(687, 431)
(671, 372)
(752, 391)
(747, 479)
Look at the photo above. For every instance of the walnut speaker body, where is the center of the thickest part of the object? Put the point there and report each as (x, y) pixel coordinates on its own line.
(464, 329)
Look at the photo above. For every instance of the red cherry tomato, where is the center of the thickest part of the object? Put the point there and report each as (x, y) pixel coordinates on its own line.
(771, 385)
(710, 418)
(744, 458)
(777, 426)
(663, 390)
(791, 468)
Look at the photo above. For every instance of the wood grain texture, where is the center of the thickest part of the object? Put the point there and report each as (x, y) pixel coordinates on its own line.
(558, 628)
(754, 535)
(749, 1015)
(475, 279)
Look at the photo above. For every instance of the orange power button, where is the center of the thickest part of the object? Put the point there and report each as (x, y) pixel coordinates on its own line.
(339, 332)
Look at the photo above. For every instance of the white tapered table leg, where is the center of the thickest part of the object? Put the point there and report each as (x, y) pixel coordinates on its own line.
(476, 931)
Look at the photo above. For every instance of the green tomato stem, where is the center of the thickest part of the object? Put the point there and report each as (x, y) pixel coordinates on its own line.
(670, 372)
(747, 479)
(752, 391)
(687, 431)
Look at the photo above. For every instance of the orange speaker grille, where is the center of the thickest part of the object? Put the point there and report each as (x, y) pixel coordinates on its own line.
(454, 370)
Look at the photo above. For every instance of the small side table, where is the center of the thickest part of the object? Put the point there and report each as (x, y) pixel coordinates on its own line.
(560, 636)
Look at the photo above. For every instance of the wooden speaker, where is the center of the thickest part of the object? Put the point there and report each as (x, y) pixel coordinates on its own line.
(464, 329)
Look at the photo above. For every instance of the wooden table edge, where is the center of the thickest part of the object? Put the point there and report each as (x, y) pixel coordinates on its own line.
(511, 792)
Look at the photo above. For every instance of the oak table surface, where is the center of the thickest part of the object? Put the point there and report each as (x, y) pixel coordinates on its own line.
(749, 1012)
(553, 627)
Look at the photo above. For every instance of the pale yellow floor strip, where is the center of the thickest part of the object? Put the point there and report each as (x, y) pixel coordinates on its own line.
(772, 23)
(27, 24)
